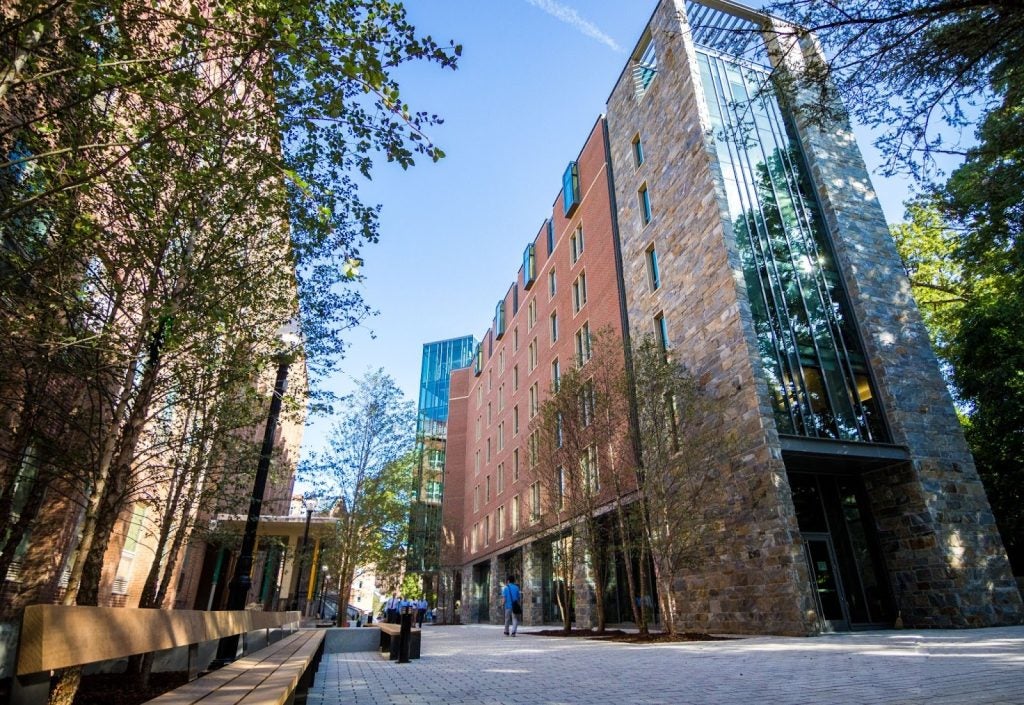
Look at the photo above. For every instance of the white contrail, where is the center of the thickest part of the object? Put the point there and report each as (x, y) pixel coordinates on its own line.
(572, 18)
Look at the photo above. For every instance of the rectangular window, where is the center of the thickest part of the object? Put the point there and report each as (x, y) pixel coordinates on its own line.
(478, 359)
(549, 228)
(515, 378)
(529, 266)
(591, 477)
(476, 498)
(534, 400)
(501, 477)
(476, 463)
(653, 275)
(475, 538)
(515, 339)
(487, 489)
(532, 358)
(551, 284)
(501, 361)
(556, 374)
(488, 450)
(501, 436)
(661, 331)
(515, 298)
(645, 204)
(560, 486)
(583, 345)
(579, 292)
(501, 397)
(479, 397)
(570, 189)
(534, 449)
(645, 66)
(499, 520)
(638, 151)
(587, 402)
(478, 422)
(515, 465)
(576, 245)
(515, 514)
(490, 384)
(499, 319)
(554, 327)
(515, 420)
(531, 314)
(558, 430)
(490, 416)
(535, 502)
(487, 530)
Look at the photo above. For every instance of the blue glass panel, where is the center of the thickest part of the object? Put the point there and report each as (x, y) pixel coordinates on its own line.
(570, 189)
(529, 266)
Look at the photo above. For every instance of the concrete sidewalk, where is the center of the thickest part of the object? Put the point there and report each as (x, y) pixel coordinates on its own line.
(477, 664)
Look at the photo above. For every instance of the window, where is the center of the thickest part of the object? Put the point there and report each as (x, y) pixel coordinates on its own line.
(478, 359)
(487, 530)
(501, 397)
(501, 478)
(559, 439)
(583, 345)
(515, 465)
(499, 521)
(556, 374)
(515, 298)
(591, 477)
(653, 275)
(501, 436)
(560, 486)
(534, 401)
(645, 204)
(515, 378)
(515, 339)
(479, 397)
(488, 450)
(645, 66)
(490, 384)
(661, 331)
(532, 359)
(638, 151)
(476, 463)
(570, 189)
(490, 416)
(501, 361)
(587, 402)
(487, 489)
(533, 447)
(476, 498)
(529, 266)
(549, 228)
(499, 319)
(478, 420)
(515, 420)
(531, 314)
(551, 284)
(579, 292)
(576, 245)
(475, 537)
(434, 491)
(535, 502)
(515, 514)
(554, 327)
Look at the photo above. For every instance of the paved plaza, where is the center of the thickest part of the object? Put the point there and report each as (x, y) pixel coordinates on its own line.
(478, 665)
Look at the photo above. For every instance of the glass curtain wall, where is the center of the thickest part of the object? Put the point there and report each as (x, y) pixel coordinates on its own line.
(439, 359)
(806, 337)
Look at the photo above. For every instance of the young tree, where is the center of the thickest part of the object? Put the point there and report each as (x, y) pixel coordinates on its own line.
(365, 476)
(683, 447)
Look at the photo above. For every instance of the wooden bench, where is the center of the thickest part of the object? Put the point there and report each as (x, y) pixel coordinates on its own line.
(389, 640)
(274, 675)
(55, 637)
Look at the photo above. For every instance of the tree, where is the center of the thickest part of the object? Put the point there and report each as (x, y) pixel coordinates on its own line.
(683, 449)
(365, 476)
(908, 68)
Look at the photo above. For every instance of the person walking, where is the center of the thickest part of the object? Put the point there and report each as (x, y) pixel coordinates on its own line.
(391, 609)
(421, 611)
(510, 600)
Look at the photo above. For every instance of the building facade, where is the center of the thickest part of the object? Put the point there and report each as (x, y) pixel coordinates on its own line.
(440, 358)
(752, 244)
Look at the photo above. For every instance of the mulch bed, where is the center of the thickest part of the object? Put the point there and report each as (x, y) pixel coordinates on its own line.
(620, 636)
(122, 689)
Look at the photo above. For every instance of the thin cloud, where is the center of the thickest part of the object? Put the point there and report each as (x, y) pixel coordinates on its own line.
(572, 18)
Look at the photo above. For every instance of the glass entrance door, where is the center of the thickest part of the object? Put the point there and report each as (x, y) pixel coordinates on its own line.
(482, 591)
(821, 559)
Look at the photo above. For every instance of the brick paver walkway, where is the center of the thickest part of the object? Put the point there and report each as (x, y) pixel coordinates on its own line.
(478, 665)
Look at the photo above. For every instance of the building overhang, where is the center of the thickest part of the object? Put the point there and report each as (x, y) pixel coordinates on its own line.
(839, 457)
(288, 525)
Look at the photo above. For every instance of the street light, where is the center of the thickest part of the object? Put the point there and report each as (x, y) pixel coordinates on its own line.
(241, 582)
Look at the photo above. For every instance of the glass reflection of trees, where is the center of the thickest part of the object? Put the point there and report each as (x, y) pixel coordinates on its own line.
(807, 342)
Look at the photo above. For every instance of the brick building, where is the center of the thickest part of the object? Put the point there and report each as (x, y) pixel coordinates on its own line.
(752, 243)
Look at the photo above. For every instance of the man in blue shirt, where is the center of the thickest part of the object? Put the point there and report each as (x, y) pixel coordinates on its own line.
(510, 599)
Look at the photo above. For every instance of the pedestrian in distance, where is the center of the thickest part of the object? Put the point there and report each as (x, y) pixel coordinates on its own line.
(391, 608)
(511, 601)
(421, 611)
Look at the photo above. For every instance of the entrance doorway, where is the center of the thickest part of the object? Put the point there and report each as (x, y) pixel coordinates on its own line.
(845, 563)
(482, 591)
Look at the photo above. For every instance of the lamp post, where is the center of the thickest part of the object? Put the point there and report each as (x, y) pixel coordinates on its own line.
(238, 588)
(304, 552)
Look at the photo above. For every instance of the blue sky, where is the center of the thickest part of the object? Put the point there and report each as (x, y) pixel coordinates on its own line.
(533, 78)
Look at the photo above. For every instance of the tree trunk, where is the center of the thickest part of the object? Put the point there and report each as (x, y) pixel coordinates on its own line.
(626, 539)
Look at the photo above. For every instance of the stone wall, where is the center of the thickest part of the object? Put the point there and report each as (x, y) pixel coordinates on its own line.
(754, 577)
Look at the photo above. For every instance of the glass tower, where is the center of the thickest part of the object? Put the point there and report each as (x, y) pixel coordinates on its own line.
(439, 359)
